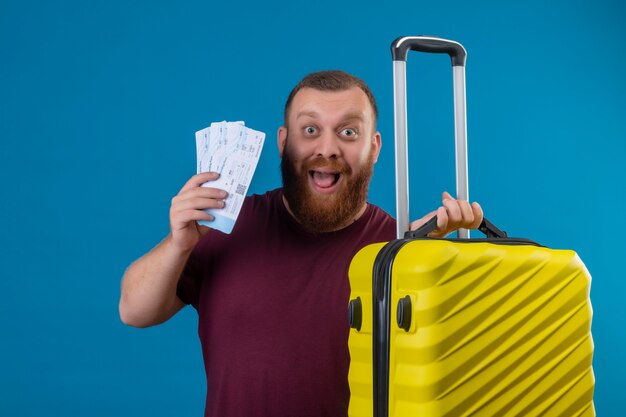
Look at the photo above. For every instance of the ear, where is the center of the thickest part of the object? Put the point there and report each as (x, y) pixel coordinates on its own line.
(282, 139)
(377, 143)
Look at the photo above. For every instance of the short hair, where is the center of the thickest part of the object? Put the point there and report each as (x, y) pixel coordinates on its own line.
(331, 80)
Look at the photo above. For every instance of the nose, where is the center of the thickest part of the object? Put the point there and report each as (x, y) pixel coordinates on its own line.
(327, 145)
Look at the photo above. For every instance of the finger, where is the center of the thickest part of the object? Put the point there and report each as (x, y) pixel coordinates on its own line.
(442, 223)
(196, 215)
(206, 192)
(182, 219)
(467, 213)
(454, 213)
(478, 215)
(199, 179)
(446, 196)
(197, 203)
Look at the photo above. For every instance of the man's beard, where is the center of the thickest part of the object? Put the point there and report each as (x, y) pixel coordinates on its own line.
(320, 213)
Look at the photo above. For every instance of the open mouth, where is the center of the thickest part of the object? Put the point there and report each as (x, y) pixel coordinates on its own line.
(324, 181)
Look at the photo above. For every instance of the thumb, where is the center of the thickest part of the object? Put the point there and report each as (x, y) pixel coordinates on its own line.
(419, 223)
(202, 230)
(446, 196)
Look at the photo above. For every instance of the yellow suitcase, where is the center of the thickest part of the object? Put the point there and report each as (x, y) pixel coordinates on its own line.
(457, 327)
(474, 328)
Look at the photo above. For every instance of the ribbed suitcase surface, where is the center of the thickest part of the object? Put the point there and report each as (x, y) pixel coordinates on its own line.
(495, 330)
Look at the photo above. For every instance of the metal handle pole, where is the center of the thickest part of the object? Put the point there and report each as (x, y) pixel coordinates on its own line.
(460, 139)
(401, 154)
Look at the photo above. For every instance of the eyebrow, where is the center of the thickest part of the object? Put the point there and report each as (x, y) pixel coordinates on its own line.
(353, 116)
(349, 116)
(307, 113)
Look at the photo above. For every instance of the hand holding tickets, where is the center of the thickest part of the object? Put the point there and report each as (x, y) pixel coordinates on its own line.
(232, 150)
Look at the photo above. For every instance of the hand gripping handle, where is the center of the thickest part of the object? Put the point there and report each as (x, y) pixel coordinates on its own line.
(489, 229)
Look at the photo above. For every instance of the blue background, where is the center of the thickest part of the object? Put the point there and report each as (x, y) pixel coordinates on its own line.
(99, 102)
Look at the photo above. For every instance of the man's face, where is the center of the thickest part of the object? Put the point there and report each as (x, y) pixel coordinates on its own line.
(328, 151)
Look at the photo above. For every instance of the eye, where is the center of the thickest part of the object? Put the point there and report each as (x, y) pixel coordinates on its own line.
(349, 133)
(310, 130)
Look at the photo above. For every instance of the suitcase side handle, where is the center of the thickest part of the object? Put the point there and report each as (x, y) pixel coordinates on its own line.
(489, 229)
(401, 46)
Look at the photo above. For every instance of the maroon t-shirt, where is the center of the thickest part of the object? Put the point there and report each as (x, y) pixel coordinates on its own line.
(272, 301)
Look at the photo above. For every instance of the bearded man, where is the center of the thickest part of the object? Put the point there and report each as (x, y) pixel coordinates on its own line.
(272, 296)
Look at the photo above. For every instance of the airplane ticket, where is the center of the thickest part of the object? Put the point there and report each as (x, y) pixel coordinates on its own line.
(232, 150)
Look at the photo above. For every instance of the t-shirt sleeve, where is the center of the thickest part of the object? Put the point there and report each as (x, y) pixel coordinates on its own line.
(190, 281)
(206, 254)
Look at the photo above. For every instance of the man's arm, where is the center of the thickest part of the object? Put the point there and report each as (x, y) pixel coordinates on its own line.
(148, 295)
(452, 215)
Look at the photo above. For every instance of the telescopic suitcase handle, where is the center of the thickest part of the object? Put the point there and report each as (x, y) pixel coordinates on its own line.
(399, 51)
(401, 46)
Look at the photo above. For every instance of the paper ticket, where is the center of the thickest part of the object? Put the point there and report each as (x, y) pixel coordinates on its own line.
(232, 150)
